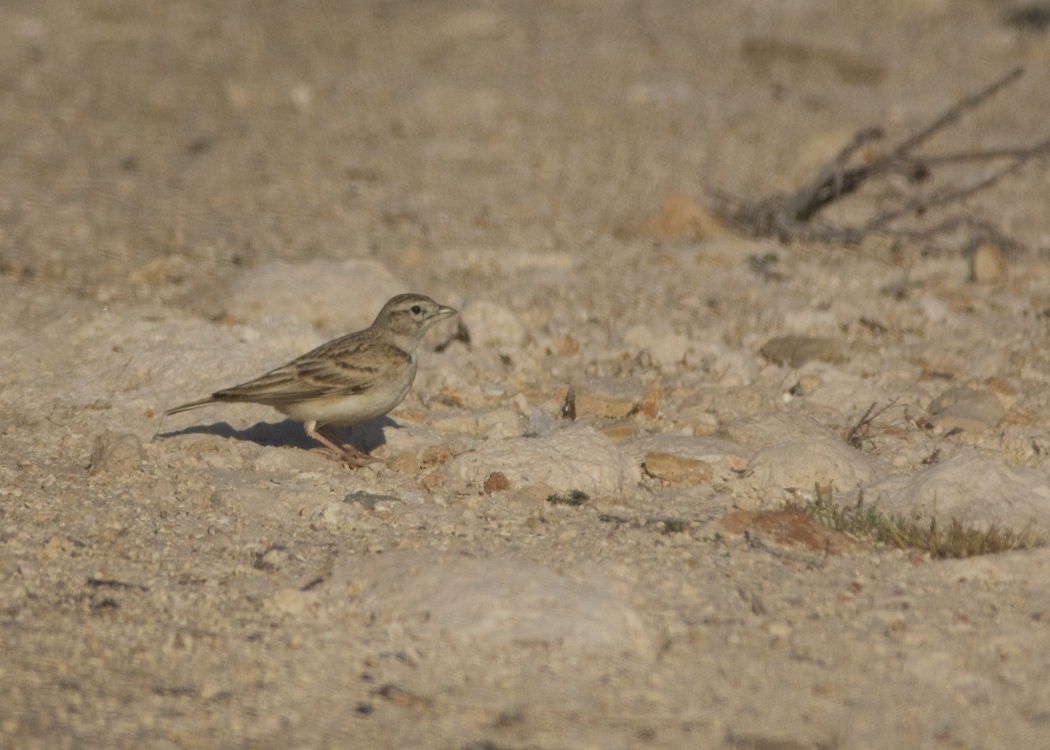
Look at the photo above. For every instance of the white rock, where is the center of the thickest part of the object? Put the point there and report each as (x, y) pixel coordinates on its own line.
(972, 488)
(638, 337)
(988, 264)
(576, 457)
(796, 451)
(769, 428)
(612, 398)
(493, 325)
(936, 311)
(666, 349)
(500, 423)
(735, 368)
(803, 464)
(971, 409)
(669, 351)
(289, 601)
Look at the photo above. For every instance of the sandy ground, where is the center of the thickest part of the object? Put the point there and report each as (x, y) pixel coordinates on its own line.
(193, 193)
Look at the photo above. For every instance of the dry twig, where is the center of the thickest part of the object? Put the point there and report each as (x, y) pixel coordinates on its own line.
(793, 217)
(861, 431)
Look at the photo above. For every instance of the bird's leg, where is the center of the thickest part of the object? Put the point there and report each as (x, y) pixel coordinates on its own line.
(347, 451)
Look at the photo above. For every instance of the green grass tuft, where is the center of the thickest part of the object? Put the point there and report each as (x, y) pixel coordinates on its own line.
(953, 540)
(575, 497)
(851, 519)
(674, 525)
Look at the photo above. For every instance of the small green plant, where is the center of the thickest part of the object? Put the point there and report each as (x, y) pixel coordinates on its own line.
(851, 519)
(575, 497)
(674, 525)
(953, 540)
(764, 266)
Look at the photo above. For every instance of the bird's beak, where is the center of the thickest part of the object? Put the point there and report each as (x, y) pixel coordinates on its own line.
(444, 312)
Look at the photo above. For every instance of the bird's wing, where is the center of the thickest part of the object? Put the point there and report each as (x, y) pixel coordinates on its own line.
(324, 372)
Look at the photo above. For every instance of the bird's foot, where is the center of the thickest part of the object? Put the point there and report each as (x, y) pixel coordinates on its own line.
(343, 451)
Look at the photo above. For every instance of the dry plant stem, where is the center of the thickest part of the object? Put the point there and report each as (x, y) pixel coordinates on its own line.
(790, 217)
(956, 111)
(834, 180)
(945, 197)
(862, 429)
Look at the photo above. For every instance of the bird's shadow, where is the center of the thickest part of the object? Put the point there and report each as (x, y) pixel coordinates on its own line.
(365, 437)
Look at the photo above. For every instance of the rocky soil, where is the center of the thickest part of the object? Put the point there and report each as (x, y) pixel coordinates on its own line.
(582, 529)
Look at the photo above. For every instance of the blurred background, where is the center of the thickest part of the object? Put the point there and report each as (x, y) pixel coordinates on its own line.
(151, 148)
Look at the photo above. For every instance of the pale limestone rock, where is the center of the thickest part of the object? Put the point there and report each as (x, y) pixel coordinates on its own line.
(735, 368)
(771, 427)
(676, 469)
(289, 601)
(611, 398)
(972, 488)
(797, 452)
(795, 351)
(971, 409)
(493, 325)
(575, 457)
(988, 264)
(668, 351)
(801, 465)
(665, 349)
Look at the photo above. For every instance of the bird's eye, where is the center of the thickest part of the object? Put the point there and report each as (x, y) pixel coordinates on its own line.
(417, 310)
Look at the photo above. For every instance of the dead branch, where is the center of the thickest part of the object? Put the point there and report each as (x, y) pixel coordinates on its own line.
(861, 431)
(793, 217)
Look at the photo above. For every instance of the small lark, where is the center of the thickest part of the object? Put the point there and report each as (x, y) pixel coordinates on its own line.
(349, 380)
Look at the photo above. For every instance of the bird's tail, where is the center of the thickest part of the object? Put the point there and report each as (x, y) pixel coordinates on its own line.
(191, 405)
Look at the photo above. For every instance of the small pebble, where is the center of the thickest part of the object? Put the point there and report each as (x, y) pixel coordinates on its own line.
(496, 482)
(795, 351)
(676, 469)
(988, 264)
